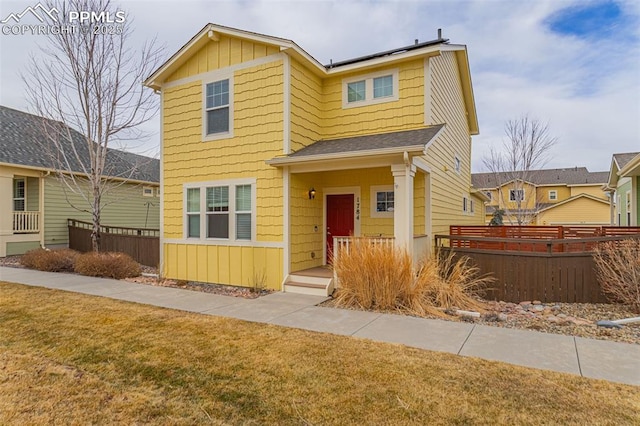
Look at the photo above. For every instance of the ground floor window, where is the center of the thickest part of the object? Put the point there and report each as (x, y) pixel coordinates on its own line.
(225, 210)
(19, 195)
(382, 201)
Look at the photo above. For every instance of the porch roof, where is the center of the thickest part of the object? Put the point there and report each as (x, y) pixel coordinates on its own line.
(366, 145)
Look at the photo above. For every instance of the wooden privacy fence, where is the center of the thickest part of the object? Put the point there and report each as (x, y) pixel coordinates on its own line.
(540, 271)
(143, 244)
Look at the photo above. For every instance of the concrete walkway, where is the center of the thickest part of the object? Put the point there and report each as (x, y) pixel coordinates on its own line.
(616, 362)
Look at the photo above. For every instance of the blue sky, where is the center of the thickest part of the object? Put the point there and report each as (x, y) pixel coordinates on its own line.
(573, 64)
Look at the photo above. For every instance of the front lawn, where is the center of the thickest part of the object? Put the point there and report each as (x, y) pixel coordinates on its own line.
(67, 358)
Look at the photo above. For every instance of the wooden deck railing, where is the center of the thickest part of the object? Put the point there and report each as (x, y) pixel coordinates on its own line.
(25, 222)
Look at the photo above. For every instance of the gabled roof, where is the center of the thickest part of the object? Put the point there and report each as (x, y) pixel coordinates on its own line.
(212, 32)
(568, 176)
(618, 163)
(393, 142)
(21, 140)
(570, 199)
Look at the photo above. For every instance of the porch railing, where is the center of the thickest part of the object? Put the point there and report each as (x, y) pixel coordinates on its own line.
(26, 222)
(343, 244)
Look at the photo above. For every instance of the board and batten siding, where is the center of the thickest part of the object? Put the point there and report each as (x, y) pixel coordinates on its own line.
(124, 206)
(258, 126)
(447, 106)
(225, 52)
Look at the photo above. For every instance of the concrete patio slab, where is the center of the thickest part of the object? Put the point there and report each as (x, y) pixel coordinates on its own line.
(522, 347)
(328, 320)
(613, 361)
(443, 336)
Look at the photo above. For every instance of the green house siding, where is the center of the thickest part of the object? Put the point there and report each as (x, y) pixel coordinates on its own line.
(622, 204)
(636, 199)
(33, 194)
(124, 206)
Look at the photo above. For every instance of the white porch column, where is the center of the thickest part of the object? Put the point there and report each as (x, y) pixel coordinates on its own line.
(6, 210)
(403, 206)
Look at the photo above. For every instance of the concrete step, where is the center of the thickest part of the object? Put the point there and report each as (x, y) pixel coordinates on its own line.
(306, 288)
(308, 279)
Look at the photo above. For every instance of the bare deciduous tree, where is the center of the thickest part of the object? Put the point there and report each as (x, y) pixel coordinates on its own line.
(90, 80)
(515, 163)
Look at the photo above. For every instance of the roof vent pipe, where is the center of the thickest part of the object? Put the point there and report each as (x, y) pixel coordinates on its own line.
(330, 63)
(416, 42)
(439, 33)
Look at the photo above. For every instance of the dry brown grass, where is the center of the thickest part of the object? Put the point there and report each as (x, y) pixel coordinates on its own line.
(76, 359)
(618, 268)
(60, 260)
(107, 265)
(383, 278)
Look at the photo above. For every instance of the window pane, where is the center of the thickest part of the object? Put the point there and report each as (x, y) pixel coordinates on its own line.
(193, 200)
(218, 199)
(193, 226)
(243, 198)
(218, 120)
(390, 196)
(355, 91)
(18, 205)
(383, 86)
(218, 225)
(243, 226)
(18, 188)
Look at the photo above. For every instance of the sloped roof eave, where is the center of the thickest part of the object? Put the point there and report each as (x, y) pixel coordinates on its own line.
(292, 161)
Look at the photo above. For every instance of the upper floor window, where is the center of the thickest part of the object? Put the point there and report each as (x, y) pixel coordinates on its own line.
(370, 89)
(488, 194)
(356, 91)
(147, 191)
(553, 195)
(218, 109)
(516, 195)
(457, 164)
(383, 87)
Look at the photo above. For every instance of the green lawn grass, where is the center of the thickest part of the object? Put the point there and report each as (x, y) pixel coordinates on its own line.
(74, 359)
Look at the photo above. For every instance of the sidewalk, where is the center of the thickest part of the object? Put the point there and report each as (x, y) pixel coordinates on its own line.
(612, 361)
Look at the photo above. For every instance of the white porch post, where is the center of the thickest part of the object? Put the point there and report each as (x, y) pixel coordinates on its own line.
(403, 206)
(6, 210)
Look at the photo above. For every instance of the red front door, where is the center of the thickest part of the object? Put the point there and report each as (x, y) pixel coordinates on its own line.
(339, 219)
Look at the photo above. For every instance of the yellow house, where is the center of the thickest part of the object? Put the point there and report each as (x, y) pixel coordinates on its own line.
(271, 160)
(570, 196)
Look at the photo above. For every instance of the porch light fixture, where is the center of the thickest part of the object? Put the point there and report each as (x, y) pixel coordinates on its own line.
(312, 193)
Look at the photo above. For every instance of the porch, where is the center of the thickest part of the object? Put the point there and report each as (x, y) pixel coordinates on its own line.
(321, 280)
(21, 219)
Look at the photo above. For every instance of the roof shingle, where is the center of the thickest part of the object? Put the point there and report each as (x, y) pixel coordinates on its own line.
(568, 176)
(21, 143)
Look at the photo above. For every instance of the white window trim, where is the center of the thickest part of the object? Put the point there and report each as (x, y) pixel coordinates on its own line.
(555, 195)
(489, 195)
(232, 240)
(145, 189)
(472, 206)
(23, 198)
(457, 164)
(513, 200)
(223, 135)
(465, 204)
(368, 91)
(374, 213)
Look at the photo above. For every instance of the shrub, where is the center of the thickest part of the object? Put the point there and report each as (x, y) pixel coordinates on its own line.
(618, 271)
(380, 277)
(107, 265)
(60, 260)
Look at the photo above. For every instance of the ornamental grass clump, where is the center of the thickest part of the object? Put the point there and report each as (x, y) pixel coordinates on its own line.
(380, 277)
(107, 265)
(60, 260)
(618, 271)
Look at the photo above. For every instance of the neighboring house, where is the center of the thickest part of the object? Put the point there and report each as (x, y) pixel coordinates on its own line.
(269, 158)
(624, 185)
(35, 205)
(571, 196)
